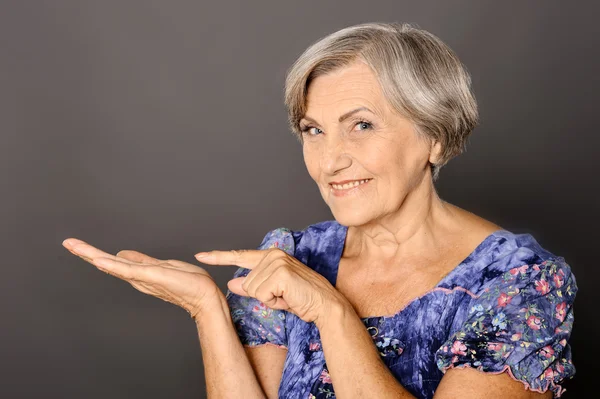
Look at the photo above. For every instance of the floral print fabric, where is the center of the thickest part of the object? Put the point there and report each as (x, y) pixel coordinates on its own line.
(255, 323)
(521, 324)
(508, 307)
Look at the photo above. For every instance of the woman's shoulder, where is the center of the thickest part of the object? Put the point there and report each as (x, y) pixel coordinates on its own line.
(505, 257)
(516, 250)
(518, 314)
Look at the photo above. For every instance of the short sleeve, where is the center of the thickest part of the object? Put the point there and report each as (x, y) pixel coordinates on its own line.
(521, 324)
(255, 323)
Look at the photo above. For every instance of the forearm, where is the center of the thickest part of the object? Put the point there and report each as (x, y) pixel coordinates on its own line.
(227, 370)
(353, 362)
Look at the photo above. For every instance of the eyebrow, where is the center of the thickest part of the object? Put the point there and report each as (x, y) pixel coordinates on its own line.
(343, 117)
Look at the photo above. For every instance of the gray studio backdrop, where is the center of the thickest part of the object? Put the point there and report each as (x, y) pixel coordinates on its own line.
(159, 126)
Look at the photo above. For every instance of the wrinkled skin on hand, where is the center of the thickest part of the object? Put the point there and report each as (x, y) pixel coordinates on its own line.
(183, 284)
(280, 281)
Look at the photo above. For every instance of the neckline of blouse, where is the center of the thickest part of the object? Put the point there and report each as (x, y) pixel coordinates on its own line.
(471, 257)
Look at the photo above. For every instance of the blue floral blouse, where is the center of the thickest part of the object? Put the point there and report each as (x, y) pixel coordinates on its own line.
(507, 307)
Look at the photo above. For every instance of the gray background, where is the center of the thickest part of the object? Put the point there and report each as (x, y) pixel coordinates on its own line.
(159, 126)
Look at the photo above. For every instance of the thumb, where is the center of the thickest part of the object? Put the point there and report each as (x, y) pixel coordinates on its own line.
(235, 286)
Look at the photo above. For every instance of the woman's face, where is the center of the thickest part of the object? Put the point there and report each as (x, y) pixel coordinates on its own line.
(365, 158)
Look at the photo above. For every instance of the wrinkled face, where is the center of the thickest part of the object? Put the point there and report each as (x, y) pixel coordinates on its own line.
(365, 158)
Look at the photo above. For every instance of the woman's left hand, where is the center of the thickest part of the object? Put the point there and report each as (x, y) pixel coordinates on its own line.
(280, 281)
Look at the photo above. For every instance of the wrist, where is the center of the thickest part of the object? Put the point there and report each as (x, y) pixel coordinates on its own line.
(214, 307)
(334, 312)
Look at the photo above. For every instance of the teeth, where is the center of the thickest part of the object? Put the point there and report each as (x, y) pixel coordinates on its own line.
(349, 185)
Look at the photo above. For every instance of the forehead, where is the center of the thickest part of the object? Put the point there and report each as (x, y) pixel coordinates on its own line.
(349, 86)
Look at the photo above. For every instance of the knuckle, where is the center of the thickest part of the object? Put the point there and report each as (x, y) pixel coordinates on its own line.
(279, 253)
(260, 296)
(283, 271)
(265, 297)
(247, 280)
(274, 255)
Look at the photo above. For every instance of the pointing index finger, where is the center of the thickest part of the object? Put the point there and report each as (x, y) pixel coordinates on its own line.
(247, 258)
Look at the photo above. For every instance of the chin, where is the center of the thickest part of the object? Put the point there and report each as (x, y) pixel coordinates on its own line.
(349, 217)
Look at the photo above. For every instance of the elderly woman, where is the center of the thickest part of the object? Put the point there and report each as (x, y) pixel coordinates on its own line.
(403, 295)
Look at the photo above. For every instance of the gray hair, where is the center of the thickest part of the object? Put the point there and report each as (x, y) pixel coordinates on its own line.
(420, 76)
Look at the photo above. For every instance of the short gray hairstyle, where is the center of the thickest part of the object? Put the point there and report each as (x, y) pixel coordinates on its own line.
(420, 76)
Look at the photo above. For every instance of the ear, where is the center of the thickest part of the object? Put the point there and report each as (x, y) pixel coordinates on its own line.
(435, 151)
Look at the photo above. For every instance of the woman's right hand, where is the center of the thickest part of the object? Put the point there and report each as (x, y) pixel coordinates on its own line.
(180, 283)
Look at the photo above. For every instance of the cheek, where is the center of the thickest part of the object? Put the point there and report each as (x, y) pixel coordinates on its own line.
(409, 166)
(394, 163)
(311, 160)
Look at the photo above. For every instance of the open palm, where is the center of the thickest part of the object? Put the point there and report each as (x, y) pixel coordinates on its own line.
(180, 283)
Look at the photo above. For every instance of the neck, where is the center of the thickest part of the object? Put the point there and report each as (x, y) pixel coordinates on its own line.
(416, 227)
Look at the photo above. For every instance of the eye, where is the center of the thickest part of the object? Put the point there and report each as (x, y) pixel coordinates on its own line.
(311, 130)
(364, 125)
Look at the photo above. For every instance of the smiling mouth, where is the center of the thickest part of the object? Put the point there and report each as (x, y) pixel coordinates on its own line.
(348, 184)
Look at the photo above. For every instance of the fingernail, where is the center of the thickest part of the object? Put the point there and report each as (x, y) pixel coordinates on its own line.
(201, 254)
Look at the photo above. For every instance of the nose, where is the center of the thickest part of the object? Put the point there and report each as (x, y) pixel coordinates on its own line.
(334, 157)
